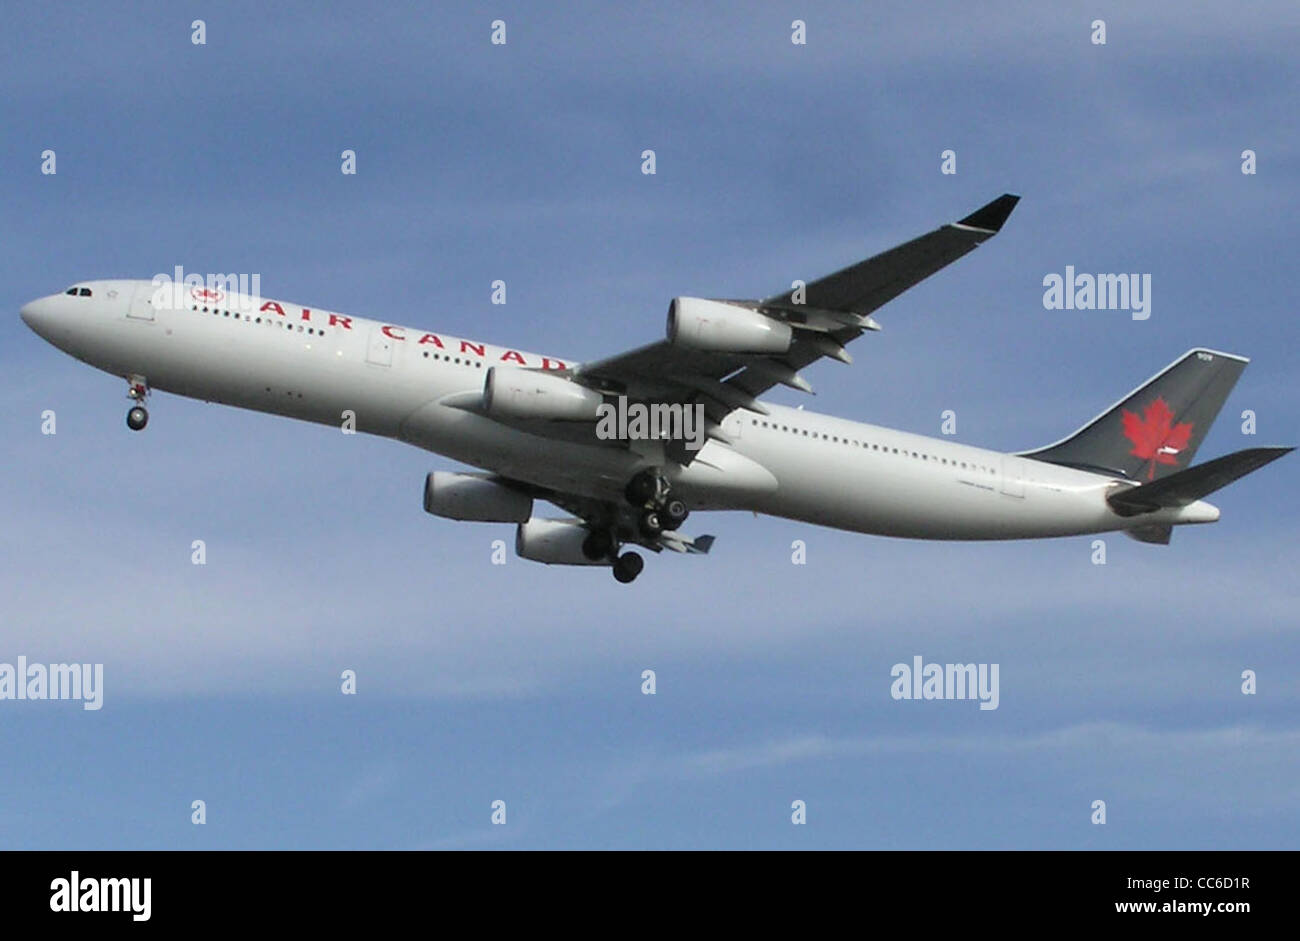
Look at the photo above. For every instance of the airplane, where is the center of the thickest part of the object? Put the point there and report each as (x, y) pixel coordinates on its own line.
(532, 423)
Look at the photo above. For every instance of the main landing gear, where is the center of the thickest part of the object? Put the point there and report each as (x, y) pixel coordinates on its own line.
(602, 544)
(137, 391)
(628, 566)
(658, 511)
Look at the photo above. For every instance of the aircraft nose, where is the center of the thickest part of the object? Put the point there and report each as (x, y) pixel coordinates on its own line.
(38, 315)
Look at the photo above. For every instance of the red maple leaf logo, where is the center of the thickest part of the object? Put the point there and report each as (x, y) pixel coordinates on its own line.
(1155, 437)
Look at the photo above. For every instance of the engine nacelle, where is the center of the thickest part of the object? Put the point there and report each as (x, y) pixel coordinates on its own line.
(555, 542)
(724, 328)
(474, 497)
(526, 393)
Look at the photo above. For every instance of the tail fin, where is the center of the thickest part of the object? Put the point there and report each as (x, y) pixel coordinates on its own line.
(1187, 486)
(1156, 429)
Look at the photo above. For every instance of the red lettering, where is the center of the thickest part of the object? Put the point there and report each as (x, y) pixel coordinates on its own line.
(512, 355)
(306, 313)
(272, 305)
(388, 332)
(344, 322)
(552, 364)
(432, 338)
(466, 346)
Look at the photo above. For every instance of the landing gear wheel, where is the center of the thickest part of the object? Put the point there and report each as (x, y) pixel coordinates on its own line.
(650, 524)
(674, 514)
(598, 545)
(137, 390)
(642, 488)
(628, 566)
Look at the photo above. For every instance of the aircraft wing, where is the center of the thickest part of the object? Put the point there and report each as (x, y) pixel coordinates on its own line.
(825, 316)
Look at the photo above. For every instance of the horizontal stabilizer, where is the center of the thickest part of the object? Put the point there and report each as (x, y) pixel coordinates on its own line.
(1187, 486)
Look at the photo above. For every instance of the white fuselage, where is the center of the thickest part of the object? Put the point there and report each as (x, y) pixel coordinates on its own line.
(399, 382)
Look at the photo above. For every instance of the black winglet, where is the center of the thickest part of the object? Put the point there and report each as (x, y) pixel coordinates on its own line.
(992, 217)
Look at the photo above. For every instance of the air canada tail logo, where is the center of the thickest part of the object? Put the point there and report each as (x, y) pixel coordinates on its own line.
(1155, 437)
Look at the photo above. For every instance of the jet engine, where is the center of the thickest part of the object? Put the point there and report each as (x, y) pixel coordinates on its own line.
(526, 393)
(555, 542)
(724, 328)
(474, 497)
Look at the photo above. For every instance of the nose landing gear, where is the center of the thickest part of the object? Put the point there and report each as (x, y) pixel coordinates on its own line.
(137, 391)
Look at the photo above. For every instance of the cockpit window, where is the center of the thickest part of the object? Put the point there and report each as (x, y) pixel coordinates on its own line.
(84, 292)
(72, 291)
(76, 291)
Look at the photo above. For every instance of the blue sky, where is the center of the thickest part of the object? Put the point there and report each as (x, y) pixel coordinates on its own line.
(522, 682)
